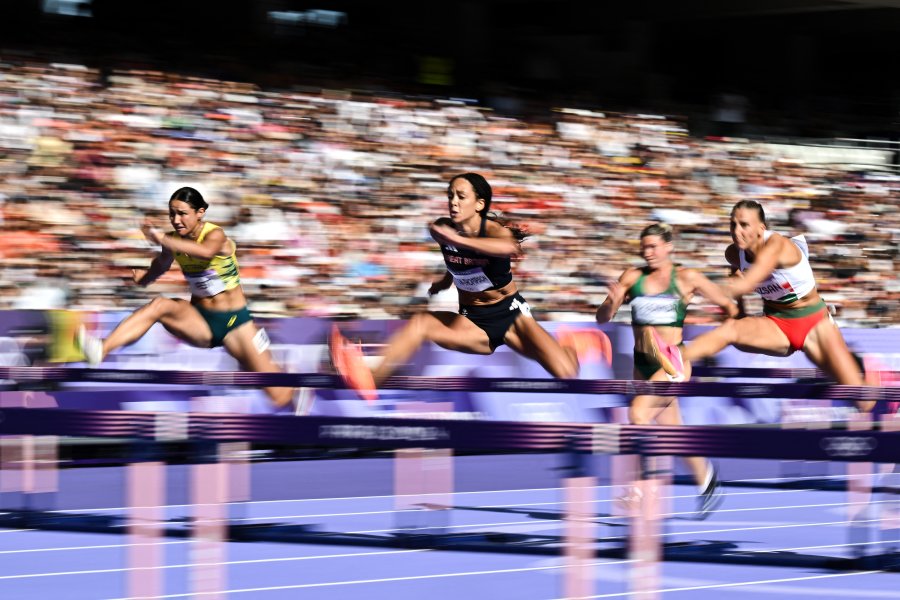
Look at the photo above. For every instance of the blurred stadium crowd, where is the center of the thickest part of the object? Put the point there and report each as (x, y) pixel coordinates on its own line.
(328, 193)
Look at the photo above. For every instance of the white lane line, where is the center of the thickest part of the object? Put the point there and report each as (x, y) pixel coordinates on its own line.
(803, 478)
(15, 530)
(98, 547)
(760, 508)
(726, 510)
(524, 525)
(788, 526)
(456, 493)
(732, 585)
(384, 580)
(344, 499)
(844, 545)
(487, 506)
(226, 563)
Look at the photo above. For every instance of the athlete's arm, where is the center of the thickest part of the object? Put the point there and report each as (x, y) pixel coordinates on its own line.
(698, 283)
(442, 284)
(734, 264)
(158, 266)
(498, 241)
(766, 261)
(212, 245)
(616, 296)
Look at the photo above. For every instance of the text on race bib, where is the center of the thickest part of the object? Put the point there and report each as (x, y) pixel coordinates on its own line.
(473, 280)
(206, 283)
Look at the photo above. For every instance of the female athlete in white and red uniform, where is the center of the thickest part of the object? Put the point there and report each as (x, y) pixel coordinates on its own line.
(794, 316)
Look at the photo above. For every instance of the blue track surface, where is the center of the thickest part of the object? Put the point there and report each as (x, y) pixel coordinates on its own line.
(757, 519)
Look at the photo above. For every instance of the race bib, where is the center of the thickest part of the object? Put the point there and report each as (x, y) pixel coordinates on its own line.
(206, 283)
(654, 310)
(473, 280)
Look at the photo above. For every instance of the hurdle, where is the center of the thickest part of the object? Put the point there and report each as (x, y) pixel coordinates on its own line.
(843, 442)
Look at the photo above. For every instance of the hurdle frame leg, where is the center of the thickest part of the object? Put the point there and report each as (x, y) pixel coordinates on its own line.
(209, 531)
(423, 483)
(860, 509)
(146, 484)
(579, 536)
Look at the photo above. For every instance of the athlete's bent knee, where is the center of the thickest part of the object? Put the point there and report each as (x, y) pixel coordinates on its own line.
(418, 323)
(639, 416)
(569, 370)
(728, 330)
(160, 306)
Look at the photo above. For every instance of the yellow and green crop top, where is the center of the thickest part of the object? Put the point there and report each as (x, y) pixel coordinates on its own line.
(209, 277)
(665, 309)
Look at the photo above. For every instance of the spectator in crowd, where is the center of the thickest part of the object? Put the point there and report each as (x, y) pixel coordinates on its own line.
(319, 185)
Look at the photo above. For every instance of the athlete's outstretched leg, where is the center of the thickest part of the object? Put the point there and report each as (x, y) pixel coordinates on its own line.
(446, 329)
(179, 318)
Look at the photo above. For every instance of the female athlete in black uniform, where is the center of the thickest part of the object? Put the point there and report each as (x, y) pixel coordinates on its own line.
(477, 250)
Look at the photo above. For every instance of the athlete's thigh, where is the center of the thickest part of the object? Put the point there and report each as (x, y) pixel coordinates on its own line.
(186, 323)
(242, 343)
(826, 348)
(455, 332)
(528, 338)
(644, 410)
(760, 335)
(670, 414)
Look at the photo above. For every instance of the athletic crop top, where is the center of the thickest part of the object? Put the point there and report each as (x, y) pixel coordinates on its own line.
(667, 309)
(476, 272)
(209, 277)
(788, 284)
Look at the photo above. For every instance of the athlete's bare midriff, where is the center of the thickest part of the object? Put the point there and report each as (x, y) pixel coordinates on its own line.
(642, 338)
(228, 300)
(810, 299)
(487, 297)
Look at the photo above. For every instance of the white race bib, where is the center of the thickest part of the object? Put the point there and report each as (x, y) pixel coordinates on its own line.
(655, 310)
(206, 283)
(473, 280)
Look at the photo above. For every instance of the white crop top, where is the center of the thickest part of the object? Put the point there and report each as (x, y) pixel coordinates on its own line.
(788, 284)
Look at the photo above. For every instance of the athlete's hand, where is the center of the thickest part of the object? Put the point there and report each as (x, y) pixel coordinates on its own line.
(152, 234)
(438, 286)
(137, 275)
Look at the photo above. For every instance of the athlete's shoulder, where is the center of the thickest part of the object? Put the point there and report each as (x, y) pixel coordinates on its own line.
(212, 230)
(686, 273)
(775, 239)
(494, 229)
(630, 276)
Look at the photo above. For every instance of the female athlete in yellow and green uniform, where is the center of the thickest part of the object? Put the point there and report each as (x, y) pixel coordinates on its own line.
(217, 313)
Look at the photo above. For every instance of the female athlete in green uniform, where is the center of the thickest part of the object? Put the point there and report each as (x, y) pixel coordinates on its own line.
(659, 294)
